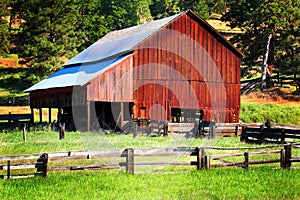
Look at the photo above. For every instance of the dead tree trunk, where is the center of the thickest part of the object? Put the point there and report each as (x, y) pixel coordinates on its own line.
(264, 66)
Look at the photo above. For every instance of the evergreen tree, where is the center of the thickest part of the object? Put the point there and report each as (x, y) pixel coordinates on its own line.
(94, 24)
(121, 14)
(198, 6)
(4, 27)
(50, 33)
(260, 19)
(164, 8)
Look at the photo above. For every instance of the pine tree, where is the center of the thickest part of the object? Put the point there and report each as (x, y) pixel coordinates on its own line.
(164, 8)
(4, 27)
(198, 6)
(259, 19)
(49, 34)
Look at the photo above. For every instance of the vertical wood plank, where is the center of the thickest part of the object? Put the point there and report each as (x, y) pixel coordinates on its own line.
(41, 114)
(32, 116)
(88, 116)
(49, 115)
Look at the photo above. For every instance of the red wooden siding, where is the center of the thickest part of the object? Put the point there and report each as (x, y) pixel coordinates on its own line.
(114, 85)
(186, 66)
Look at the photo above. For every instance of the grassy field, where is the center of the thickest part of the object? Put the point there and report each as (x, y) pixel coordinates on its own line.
(233, 183)
(260, 182)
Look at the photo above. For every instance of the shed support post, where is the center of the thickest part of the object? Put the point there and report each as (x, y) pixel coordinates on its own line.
(49, 113)
(59, 116)
(32, 116)
(122, 114)
(41, 115)
(88, 116)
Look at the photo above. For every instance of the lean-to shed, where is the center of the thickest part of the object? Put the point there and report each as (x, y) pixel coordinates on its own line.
(178, 68)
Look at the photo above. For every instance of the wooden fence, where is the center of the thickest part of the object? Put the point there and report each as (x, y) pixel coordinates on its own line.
(263, 134)
(129, 159)
(203, 129)
(16, 119)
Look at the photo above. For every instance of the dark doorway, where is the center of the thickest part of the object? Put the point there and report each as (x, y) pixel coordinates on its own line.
(111, 115)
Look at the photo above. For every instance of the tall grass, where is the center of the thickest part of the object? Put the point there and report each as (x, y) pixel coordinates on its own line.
(251, 112)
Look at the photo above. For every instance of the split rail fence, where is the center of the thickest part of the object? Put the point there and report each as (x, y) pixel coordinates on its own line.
(131, 159)
(264, 134)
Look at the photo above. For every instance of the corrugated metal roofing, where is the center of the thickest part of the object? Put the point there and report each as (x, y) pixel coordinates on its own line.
(119, 42)
(77, 75)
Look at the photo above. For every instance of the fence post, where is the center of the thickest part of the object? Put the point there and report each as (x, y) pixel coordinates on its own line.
(45, 162)
(262, 133)
(24, 132)
(207, 161)
(282, 159)
(61, 131)
(42, 164)
(236, 130)
(135, 133)
(282, 136)
(288, 156)
(246, 163)
(213, 132)
(200, 158)
(129, 160)
(8, 169)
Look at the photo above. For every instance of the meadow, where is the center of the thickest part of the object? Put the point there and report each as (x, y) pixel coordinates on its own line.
(259, 182)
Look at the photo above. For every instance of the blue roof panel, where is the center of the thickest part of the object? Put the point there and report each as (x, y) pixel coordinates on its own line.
(77, 75)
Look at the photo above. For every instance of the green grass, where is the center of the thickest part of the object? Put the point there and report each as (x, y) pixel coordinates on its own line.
(231, 183)
(259, 182)
(251, 112)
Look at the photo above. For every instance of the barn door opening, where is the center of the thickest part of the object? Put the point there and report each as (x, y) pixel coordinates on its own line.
(113, 115)
(186, 115)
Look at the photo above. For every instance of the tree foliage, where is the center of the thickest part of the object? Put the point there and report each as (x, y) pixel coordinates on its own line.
(55, 30)
(260, 18)
(4, 27)
(49, 33)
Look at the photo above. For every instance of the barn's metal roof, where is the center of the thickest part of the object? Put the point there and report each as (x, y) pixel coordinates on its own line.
(77, 75)
(119, 42)
(106, 52)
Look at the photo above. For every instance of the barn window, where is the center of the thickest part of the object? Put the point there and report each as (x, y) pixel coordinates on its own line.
(186, 115)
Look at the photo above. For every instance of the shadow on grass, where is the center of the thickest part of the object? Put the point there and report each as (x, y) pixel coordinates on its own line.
(14, 80)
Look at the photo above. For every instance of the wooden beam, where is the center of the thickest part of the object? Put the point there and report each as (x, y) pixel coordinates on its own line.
(122, 114)
(32, 116)
(59, 116)
(49, 113)
(41, 115)
(88, 116)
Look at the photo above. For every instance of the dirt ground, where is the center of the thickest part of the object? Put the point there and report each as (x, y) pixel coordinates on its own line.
(280, 96)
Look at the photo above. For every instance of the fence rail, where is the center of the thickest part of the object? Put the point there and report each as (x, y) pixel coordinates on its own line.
(267, 134)
(130, 159)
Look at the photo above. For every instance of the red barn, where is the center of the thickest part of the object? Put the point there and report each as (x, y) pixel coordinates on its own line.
(177, 69)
